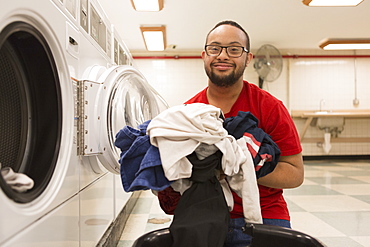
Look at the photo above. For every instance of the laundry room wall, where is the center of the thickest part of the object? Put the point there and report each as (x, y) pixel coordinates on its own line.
(176, 80)
(310, 79)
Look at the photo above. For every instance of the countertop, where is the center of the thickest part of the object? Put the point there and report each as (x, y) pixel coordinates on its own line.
(333, 113)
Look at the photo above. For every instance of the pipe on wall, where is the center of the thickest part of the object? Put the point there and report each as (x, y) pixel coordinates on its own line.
(284, 56)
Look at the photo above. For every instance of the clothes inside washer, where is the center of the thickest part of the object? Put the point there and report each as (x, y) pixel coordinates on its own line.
(17, 181)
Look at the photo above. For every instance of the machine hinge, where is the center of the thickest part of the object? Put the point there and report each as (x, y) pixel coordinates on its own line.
(88, 118)
(80, 112)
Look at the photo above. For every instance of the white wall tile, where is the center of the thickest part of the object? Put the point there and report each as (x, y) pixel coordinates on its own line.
(303, 83)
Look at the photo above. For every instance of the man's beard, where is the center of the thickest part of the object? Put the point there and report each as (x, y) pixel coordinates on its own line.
(226, 80)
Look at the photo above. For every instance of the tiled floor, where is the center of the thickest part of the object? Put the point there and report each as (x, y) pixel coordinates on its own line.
(333, 205)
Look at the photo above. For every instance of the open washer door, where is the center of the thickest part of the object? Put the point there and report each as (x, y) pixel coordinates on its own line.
(122, 97)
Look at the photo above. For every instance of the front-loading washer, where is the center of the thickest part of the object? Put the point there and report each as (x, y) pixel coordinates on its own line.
(107, 76)
(67, 86)
(95, 57)
(111, 94)
(122, 98)
(96, 193)
(38, 55)
(116, 94)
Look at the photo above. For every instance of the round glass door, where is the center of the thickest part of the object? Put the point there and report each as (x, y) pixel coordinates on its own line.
(125, 99)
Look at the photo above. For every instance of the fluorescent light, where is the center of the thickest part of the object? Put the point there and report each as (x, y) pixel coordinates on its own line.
(345, 44)
(147, 5)
(154, 38)
(326, 3)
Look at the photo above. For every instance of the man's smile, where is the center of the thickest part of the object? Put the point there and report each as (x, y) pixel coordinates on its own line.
(222, 66)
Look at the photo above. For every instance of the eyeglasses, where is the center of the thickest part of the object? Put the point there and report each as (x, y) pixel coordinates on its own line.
(232, 51)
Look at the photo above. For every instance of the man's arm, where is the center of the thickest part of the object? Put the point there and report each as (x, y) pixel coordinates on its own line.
(288, 173)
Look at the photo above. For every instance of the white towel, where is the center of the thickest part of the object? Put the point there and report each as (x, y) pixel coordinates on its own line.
(179, 130)
(17, 181)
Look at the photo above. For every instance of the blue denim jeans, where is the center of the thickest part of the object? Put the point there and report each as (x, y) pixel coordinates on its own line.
(235, 236)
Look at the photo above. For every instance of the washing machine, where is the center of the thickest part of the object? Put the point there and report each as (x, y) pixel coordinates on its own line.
(68, 84)
(38, 55)
(112, 94)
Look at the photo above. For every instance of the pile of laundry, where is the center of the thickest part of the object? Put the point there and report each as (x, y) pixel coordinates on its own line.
(192, 148)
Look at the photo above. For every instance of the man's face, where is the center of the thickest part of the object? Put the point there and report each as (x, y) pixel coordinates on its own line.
(223, 70)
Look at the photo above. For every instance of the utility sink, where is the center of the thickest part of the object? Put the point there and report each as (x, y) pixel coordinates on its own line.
(321, 112)
(326, 113)
(330, 122)
(312, 119)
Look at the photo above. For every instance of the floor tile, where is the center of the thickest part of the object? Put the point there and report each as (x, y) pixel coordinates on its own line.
(155, 208)
(135, 226)
(365, 241)
(335, 180)
(313, 225)
(349, 223)
(309, 167)
(355, 163)
(307, 181)
(365, 179)
(339, 168)
(350, 189)
(361, 172)
(146, 194)
(320, 163)
(329, 203)
(340, 242)
(310, 190)
(364, 198)
(125, 243)
(365, 167)
(143, 206)
(320, 173)
(292, 206)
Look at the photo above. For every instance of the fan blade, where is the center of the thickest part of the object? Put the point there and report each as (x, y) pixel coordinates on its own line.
(268, 63)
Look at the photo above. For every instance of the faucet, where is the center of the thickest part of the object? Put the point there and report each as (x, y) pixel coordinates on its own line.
(322, 103)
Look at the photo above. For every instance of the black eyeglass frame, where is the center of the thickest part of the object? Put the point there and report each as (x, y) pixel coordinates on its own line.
(222, 47)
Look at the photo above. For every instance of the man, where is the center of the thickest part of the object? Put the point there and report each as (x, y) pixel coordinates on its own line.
(225, 57)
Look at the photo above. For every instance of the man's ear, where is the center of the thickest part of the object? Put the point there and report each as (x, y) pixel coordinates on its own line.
(203, 54)
(249, 59)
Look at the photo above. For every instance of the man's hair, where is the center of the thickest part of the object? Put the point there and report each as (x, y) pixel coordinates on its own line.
(235, 24)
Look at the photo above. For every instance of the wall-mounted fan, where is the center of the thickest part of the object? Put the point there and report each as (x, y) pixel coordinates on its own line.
(268, 64)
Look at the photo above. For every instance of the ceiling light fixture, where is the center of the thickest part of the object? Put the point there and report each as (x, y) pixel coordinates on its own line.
(154, 37)
(147, 5)
(327, 3)
(345, 44)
